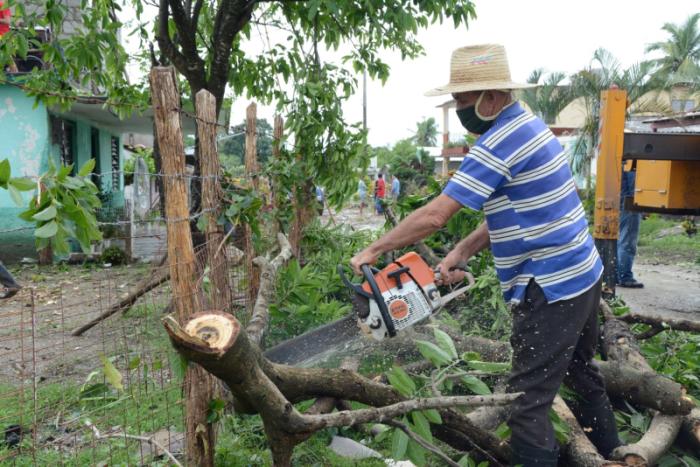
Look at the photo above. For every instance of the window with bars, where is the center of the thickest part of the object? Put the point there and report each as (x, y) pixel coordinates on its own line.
(114, 157)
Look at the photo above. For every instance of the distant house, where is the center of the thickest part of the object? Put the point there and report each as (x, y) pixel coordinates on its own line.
(32, 134)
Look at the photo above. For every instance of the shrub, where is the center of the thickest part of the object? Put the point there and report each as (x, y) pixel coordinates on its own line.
(114, 255)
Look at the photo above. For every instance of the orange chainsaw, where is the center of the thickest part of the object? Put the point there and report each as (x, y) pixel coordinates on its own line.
(400, 295)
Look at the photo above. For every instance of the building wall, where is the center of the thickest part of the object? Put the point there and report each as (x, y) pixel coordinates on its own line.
(24, 142)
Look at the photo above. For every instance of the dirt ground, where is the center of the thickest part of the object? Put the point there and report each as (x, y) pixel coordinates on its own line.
(57, 299)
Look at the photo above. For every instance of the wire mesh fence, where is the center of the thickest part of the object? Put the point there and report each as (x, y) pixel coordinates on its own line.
(112, 395)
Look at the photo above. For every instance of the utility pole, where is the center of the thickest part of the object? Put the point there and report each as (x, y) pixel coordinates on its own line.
(373, 161)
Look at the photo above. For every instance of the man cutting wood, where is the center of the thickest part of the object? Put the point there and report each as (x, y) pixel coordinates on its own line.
(549, 269)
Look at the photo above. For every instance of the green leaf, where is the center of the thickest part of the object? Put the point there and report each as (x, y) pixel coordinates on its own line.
(399, 443)
(503, 431)
(47, 230)
(15, 195)
(433, 416)
(468, 356)
(45, 215)
(433, 353)
(216, 409)
(23, 183)
(134, 362)
(489, 367)
(400, 381)
(416, 453)
(475, 385)
(5, 172)
(112, 374)
(421, 426)
(444, 341)
(87, 168)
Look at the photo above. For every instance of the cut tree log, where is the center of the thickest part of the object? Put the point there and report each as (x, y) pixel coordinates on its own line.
(690, 430)
(645, 388)
(655, 442)
(268, 274)
(579, 450)
(664, 320)
(215, 340)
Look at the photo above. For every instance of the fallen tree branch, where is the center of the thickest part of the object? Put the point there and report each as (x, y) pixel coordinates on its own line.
(655, 442)
(667, 320)
(690, 430)
(579, 450)
(425, 444)
(383, 414)
(268, 274)
(649, 333)
(645, 388)
(425, 251)
(149, 283)
(145, 439)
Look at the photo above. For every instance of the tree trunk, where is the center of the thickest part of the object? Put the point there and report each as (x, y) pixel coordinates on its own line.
(304, 212)
(655, 442)
(690, 430)
(46, 256)
(198, 385)
(251, 170)
(220, 293)
(664, 320)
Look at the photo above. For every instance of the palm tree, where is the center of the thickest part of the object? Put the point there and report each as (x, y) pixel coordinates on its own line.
(549, 98)
(681, 52)
(426, 132)
(604, 72)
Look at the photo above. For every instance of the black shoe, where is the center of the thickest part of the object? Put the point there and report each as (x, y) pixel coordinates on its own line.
(10, 292)
(631, 284)
(598, 422)
(526, 455)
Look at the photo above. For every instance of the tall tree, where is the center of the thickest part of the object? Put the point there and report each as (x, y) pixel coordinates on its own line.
(680, 62)
(604, 72)
(549, 98)
(426, 132)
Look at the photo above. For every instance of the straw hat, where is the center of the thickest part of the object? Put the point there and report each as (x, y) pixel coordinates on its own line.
(478, 68)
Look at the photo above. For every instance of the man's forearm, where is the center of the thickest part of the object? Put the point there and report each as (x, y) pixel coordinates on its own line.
(417, 226)
(474, 242)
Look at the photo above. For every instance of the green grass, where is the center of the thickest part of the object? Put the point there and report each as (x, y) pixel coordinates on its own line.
(671, 249)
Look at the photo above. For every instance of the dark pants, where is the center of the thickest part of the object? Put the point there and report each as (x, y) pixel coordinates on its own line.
(6, 279)
(629, 231)
(552, 343)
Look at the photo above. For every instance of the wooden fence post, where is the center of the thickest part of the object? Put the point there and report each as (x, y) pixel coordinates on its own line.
(211, 199)
(198, 384)
(251, 171)
(276, 143)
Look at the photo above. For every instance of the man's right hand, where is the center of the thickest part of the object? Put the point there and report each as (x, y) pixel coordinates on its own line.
(450, 268)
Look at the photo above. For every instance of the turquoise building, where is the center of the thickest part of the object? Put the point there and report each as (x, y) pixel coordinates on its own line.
(32, 134)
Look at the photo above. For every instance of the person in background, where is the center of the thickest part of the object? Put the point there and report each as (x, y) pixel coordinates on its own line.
(321, 198)
(629, 232)
(379, 193)
(362, 193)
(10, 286)
(395, 187)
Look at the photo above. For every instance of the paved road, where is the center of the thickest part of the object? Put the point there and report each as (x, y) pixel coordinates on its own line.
(667, 288)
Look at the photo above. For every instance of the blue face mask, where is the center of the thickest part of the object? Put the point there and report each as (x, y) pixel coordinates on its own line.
(473, 122)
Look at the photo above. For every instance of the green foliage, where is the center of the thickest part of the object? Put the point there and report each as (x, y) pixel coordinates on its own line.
(549, 98)
(680, 63)
(232, 146)
(114, 256)
(313, 294)
(426, 132)
(64, 207)
(129, 165)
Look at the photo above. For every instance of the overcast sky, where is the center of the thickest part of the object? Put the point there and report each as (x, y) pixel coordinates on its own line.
(557, 35)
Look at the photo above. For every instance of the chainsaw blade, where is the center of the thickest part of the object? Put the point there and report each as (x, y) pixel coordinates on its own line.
(312, 343)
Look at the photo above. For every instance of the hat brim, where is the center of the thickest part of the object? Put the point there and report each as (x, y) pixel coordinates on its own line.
(478, 86)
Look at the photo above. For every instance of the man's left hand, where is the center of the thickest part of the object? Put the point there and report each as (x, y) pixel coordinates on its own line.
(366, 256)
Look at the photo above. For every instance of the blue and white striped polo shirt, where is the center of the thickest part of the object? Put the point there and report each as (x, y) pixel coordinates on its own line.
(519, 174)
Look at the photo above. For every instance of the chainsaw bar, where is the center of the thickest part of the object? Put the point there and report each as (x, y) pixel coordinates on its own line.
(315, 342)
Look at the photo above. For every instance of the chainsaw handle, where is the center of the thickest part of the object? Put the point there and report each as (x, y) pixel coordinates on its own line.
(379, 299)
(357, 288)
